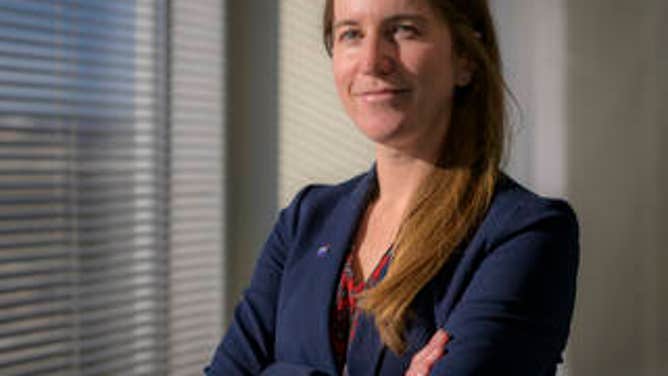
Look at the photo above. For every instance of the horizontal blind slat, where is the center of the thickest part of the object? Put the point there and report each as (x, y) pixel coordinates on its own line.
(49, 339)
(15, 361)
(97, 320)
(77, 91)
(33, 329)
(52, 368)
(54, 12)
(19, 80)
(35, 64)
(123, 360)
(41, 54)
(126, 8)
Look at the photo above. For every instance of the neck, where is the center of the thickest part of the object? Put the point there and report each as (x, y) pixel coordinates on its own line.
(399, 176)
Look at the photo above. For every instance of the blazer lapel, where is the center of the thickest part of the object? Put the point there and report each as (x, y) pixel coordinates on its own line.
(366, 350)
(367, 354)
(334, 241)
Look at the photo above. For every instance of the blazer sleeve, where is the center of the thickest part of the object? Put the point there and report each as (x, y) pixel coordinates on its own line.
(514, 317)
(247, 347)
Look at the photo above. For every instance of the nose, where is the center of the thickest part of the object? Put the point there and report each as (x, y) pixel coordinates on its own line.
(377, 56)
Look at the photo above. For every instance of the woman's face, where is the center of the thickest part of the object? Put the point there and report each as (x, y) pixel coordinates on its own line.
(395, 70)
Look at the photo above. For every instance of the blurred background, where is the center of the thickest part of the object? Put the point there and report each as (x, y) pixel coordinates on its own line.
(146, 147)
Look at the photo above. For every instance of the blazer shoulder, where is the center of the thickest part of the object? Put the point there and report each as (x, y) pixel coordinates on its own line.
(315, 202)
(326, 192)
(323, 196)
(515, 209)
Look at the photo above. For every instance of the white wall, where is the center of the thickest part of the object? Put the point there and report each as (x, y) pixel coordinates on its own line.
(617, 181)
(591, 78)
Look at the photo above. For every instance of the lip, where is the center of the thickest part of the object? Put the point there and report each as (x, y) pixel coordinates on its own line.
(381, 95)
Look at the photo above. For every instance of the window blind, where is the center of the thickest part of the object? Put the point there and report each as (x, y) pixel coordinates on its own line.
(196, 183)
(108, 204)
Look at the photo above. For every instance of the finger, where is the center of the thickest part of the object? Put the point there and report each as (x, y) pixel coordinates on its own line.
(430, 359)
(419, 360)
(419, 356)
(432, 356)
(433, 348)
(441, 337)
(436, 343)
(439, 340)
(422, 362)
(417, 371)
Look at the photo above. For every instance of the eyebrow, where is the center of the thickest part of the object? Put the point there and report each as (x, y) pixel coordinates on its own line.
(417, 18)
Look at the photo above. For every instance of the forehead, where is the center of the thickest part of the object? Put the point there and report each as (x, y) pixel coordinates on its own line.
(380, 9)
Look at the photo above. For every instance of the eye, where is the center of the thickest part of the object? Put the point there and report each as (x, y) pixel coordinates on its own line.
(349, 35)
(405, 31)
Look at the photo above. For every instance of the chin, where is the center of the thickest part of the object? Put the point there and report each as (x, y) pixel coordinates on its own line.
(381, 132)
(382, 126)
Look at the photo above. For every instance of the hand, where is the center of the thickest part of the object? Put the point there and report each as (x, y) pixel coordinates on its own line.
(424, 359)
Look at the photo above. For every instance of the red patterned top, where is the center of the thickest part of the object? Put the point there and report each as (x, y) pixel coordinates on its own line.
(344, 312)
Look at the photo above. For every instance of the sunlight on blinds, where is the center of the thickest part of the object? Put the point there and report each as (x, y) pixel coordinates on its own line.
(111, 186)
(196, 221)
(81, 186)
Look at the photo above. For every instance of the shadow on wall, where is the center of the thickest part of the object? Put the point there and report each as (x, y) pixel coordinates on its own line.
(617, 143)
(253, 134)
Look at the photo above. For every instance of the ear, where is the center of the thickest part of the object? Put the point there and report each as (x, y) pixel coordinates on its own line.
(465, 70)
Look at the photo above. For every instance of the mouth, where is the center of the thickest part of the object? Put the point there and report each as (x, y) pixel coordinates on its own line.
(381, 95)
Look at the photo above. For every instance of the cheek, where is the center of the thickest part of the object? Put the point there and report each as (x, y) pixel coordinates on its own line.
(343, 73)
(434, 70)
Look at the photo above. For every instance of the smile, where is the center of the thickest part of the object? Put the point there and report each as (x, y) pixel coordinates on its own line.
(383, 95)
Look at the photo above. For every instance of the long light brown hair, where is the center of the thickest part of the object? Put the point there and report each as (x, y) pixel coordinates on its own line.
(453, 199)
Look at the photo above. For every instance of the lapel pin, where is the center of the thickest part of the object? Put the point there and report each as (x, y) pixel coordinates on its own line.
(323, 250)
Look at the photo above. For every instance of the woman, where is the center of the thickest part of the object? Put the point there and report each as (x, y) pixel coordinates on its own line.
(433, 261)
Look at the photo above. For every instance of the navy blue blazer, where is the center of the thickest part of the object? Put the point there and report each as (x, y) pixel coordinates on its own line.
(505, 297)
